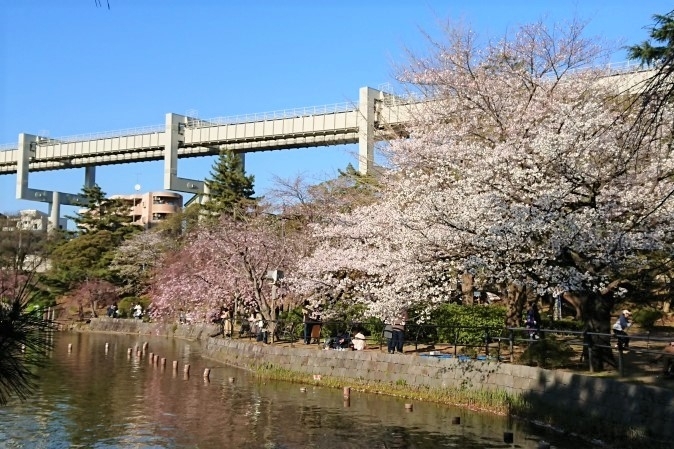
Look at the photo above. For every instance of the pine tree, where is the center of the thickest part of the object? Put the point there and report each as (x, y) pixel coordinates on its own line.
(230, 189)
(103, 214)
(662, 32)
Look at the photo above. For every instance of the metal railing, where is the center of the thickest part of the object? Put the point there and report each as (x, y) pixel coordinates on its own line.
(102, 135)
(273, 115)
(482, 343)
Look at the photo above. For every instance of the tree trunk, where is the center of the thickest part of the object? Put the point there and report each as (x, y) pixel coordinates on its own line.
(575, 301)
(515, 298)
(467, 289)
(595, 311)
(92, 303)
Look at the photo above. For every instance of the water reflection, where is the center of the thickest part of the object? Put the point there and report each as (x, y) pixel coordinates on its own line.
(90, 397)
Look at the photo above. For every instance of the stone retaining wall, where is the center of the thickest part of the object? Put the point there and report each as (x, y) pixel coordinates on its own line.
(648, 408)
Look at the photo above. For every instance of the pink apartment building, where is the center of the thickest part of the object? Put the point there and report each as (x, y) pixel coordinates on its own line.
(148, 209)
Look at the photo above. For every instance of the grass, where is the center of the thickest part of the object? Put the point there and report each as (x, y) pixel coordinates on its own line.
(577, 423)
(491, 401)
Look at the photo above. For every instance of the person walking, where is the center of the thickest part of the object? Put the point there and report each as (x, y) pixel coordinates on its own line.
(533, 321)
(620, 330)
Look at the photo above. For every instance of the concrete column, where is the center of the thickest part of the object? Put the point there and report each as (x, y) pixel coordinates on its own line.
(89, 176)
(174, 136)
(172, 141)
(366, 120)
(207, 194)
(242, 158)
(25, 150)
(54, 212)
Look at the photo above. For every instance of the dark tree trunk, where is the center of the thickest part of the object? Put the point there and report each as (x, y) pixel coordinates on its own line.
(80, 310)
(595, 308)
(515, 299)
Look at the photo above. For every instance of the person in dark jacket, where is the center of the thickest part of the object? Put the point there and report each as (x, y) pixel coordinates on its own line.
(620, 330)
(533, 321)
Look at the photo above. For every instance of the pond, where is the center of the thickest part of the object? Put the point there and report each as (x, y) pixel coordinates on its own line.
(95, 394)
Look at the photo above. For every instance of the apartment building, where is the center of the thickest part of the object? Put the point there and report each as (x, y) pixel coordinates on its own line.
(30, 220)
(148, 209)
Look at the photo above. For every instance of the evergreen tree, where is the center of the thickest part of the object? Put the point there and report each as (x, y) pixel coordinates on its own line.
(103, 225)
(230, 188)
(103, 214)
(662, 32)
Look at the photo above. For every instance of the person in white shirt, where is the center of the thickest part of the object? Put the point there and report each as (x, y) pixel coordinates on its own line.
(358, 341)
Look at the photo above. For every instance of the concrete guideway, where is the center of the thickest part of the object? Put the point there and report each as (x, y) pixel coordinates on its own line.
(377, 116)
(183, 136)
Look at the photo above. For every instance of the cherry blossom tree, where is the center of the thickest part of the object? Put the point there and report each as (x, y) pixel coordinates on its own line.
(519, 170)
(135, 259)
(225, 264)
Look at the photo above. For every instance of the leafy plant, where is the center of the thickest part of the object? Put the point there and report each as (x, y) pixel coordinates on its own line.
(459, 324)
(547, 353)
(23, 341)
(646, 318)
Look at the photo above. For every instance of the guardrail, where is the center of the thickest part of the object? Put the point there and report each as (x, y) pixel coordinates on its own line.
(463, 342)
(273, 115)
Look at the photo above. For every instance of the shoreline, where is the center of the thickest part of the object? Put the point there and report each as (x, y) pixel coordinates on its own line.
(561, 402)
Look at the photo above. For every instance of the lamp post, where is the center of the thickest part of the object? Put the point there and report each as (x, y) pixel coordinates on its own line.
(274, 276)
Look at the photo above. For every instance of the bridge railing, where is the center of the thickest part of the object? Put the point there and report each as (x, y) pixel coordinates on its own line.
(274, 115)
(102, 135)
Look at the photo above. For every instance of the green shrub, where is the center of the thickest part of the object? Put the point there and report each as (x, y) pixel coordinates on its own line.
(125, 304)
(374, 328)
(646, 318)
(567, 324)
(547, 353)
(465, 325)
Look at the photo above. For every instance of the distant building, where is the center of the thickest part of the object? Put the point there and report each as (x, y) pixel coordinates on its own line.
(30, 227)
(148, 209)
(30, 220)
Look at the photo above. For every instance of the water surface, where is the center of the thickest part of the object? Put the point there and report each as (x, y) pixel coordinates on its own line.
(90, 397)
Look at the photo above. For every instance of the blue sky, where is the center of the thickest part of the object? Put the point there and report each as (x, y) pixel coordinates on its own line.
(68, 67)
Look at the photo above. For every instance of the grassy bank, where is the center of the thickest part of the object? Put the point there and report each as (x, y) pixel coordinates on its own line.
(579, 424)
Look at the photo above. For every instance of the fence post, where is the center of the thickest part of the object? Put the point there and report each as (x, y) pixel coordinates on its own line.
(512, 344)
(456, 338)
(621, 370)
(486, 341)
(587, 342)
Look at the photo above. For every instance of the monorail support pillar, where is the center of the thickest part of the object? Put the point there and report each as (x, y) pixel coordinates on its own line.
(175, 138)
(366, 119)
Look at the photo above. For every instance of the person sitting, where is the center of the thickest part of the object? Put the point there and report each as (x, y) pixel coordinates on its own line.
(359, 342)
(340, 341)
